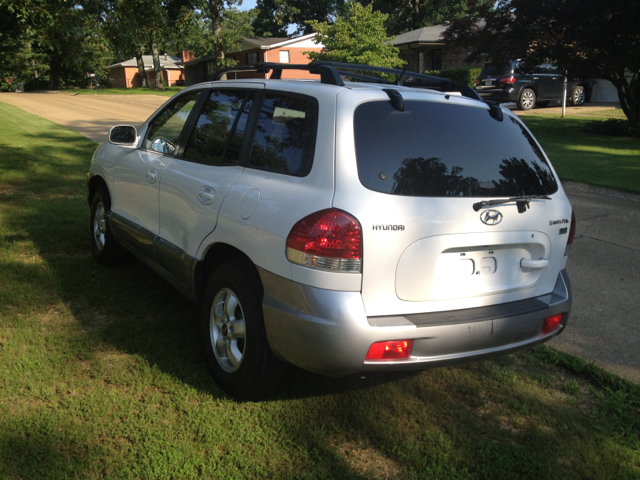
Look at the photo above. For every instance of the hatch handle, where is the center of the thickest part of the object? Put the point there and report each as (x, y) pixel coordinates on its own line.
(542, 263)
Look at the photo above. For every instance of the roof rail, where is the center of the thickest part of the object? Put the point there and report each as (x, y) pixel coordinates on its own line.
(332, 73)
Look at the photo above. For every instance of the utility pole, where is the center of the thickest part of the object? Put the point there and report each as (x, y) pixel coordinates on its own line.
(564, 95)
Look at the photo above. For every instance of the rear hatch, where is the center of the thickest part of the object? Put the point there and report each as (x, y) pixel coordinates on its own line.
(491, 74)
(412, 178)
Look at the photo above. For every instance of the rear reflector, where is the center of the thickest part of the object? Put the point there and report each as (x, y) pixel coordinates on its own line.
(572, 233)
(393, 350)
(552, 323)
(328, 240)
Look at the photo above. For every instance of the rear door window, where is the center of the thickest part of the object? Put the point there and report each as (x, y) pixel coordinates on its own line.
(437, 149)
(285, 134)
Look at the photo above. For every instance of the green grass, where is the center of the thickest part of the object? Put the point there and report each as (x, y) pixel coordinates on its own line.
(167, 92)
(102, 375)
(578, 156)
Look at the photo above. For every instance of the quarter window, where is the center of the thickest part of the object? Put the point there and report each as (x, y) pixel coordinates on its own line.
(217, 136)
(285, 135)
(165, 129)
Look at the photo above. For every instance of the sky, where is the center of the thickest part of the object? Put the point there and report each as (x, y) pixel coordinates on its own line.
(248, 4)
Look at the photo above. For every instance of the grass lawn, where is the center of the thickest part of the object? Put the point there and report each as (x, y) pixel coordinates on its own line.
(167, 92)
(612, 162)
(102, 375)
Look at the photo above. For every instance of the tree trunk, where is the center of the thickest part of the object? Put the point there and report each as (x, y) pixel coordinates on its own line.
(55, 73)
(214, 11)
(415, 14)
(156, 66)
(144, 82)
(629, 96)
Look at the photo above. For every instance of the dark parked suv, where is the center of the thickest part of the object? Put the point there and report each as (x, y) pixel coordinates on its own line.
(513, 82)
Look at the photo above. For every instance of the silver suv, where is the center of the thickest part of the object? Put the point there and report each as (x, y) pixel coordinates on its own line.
(340, 227)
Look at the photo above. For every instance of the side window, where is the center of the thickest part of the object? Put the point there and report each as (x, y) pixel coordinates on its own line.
(165, 130)
(541, 69)
(555, 70)
(285, 134)
(224, 113)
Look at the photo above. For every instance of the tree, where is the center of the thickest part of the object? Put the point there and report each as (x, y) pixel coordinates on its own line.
(589, 39)
(407, 15)
(357, 37)
(276, 16)
(64, 34)
(195, 32)
(273, 19)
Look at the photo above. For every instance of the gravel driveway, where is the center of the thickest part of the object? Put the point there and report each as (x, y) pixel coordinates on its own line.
(604, 264)
(91, 115)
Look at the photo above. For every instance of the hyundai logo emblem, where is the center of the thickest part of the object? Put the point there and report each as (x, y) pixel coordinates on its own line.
(491, 217)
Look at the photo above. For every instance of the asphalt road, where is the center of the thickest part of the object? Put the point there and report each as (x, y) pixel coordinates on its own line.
(604, 263)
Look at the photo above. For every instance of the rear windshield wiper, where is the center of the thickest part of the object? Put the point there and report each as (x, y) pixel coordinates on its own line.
(522, 202)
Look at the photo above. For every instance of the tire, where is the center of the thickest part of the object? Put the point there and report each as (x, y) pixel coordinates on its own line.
(526, 99)
(106, 250)
(235, 340)
(577, 96)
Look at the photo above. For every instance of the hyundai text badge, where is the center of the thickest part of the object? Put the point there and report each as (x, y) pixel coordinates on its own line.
(491, 217)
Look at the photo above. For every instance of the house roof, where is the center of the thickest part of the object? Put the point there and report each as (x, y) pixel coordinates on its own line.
(421, 36)
(166, 61)
(263, 43)
(266, 43)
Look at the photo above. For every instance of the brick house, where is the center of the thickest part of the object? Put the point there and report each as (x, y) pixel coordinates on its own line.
(125, 74)
(253, 50)
(433, 53)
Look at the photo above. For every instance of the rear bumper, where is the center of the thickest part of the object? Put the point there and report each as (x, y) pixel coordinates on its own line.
(499, 95)
(328, 332)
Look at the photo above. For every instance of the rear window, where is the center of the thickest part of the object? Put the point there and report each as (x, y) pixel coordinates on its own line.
(442, 150)
(490, 70)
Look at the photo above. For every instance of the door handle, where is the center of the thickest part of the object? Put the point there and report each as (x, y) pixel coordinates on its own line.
(206, 195)
(152, 175)
(535, 264)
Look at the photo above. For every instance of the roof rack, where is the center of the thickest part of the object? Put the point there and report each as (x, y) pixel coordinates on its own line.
(332, 73)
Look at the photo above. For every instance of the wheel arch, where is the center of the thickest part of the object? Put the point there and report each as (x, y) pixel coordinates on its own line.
(216, 255)
(530, 87)
(95, 182)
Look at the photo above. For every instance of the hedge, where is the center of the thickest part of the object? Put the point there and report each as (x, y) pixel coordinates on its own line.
(464, 75)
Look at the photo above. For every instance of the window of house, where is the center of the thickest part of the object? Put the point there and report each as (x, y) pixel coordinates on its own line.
(252, 58)
(284, 56)
(217, 136)
(285, 134)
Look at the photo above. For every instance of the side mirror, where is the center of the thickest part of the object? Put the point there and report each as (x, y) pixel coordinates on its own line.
(123, 135)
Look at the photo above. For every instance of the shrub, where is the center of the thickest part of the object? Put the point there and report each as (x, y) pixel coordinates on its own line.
(463, 75)
(614, 127)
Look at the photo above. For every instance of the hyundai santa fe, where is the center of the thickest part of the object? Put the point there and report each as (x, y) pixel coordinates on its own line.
(345, 225)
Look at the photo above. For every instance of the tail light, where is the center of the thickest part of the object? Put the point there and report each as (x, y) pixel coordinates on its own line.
(508, 80)
(394, 350)
(572, 233)
(328, 240)
(552, 323)
(476, 82)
